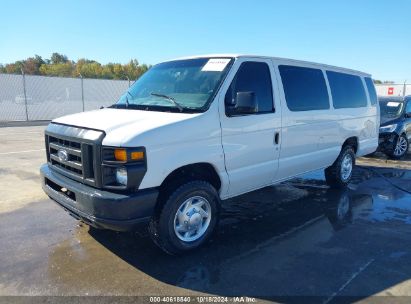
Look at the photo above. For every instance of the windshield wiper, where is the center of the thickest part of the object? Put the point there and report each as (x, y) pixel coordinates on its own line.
(127, 103)
(169, 98)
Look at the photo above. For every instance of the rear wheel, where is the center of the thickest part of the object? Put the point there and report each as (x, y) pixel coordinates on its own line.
(400, 147)
(187, 218)
(339, 174)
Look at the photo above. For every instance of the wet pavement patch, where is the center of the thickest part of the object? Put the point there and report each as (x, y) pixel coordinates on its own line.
(299, 238)
(281, 243)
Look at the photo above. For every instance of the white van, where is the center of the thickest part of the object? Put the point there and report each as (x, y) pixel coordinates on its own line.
(195, 131)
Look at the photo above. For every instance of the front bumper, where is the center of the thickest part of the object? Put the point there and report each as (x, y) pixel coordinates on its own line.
(99, 208)
(386, 141)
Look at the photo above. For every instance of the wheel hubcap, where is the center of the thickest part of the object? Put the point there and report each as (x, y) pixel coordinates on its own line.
(346, 167)
(192, 219)
(401, 146)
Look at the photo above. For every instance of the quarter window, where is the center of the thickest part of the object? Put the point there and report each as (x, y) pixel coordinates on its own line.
(347, 90)
(304, 88)
(371, 90)
(252, 77)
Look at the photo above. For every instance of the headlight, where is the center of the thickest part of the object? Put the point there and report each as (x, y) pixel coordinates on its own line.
(123, 168)
(388, 129)
(121, 176)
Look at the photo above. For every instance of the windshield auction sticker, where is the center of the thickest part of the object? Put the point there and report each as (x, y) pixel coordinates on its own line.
(215, 65)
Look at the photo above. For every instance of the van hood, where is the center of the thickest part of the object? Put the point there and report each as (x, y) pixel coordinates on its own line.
(112, 121)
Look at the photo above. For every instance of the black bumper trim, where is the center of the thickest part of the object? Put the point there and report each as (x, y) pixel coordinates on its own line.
(386, 141)
(99, 208)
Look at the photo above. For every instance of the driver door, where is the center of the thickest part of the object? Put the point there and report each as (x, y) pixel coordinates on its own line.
(251, 141)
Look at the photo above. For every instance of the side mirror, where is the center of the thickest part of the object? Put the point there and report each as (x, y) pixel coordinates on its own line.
(408, 114)
(246, 103)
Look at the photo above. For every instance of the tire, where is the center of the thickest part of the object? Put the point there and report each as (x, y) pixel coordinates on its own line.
(400, 148)
(339, 174)
(177, 233)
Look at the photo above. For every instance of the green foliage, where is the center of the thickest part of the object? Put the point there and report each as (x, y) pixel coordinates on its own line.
(57, 58)
(58, 69)
(60, 65)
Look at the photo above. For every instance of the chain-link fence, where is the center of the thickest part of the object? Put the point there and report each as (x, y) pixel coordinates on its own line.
(29, 97)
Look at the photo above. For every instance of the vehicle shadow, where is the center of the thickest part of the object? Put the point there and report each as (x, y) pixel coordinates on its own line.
(250, 226)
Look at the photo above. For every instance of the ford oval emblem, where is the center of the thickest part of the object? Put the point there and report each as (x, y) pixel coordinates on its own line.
(62, 155)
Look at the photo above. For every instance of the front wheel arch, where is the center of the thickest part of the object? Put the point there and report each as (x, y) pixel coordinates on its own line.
(184, 174)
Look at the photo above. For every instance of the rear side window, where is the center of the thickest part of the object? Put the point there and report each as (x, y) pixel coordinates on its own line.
(347, 90)
(253, 77)
(304, 88)
(371, 90)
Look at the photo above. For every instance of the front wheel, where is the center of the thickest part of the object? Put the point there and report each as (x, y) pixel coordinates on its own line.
(187, 219)
(339, 174)
(400, 148)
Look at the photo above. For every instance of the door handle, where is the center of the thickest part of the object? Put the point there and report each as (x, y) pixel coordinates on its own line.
(276, 138)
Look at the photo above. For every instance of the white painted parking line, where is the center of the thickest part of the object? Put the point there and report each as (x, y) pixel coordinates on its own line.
(353, 276)
(26, 151)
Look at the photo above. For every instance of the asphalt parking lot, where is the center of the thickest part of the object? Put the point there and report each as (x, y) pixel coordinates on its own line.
(295, 239)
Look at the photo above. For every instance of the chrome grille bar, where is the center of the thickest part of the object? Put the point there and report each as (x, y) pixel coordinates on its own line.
(73, 162)
(73, 151)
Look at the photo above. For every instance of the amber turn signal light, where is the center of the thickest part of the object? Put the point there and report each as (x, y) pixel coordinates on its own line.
(137, 155)
(121, 155)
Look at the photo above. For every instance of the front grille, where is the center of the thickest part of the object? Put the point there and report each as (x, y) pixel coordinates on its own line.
(79, 163)
(73, 149)
(75, 152)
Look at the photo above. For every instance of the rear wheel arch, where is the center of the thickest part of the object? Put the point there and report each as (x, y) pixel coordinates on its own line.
(352, 142)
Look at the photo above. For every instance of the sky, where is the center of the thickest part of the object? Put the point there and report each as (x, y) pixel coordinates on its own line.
(373, 36)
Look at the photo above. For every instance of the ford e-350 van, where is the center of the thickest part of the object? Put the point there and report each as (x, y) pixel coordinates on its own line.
(195, 131)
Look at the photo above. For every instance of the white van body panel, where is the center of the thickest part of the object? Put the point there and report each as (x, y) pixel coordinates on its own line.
(251, 155)
(166, 137)
(321, 133)
(128, 122)
(241, 149)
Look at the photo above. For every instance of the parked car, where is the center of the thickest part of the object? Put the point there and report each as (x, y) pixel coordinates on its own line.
(192, 132)
(395, 129)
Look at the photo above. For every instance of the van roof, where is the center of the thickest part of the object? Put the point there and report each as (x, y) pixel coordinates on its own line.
(294, 61)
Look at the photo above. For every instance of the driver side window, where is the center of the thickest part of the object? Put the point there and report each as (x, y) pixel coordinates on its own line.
(254, 79)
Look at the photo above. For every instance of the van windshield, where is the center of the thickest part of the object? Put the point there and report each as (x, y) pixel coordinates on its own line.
(178, 86)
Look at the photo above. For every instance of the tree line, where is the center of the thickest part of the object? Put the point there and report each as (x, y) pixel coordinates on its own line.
(60, 65)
